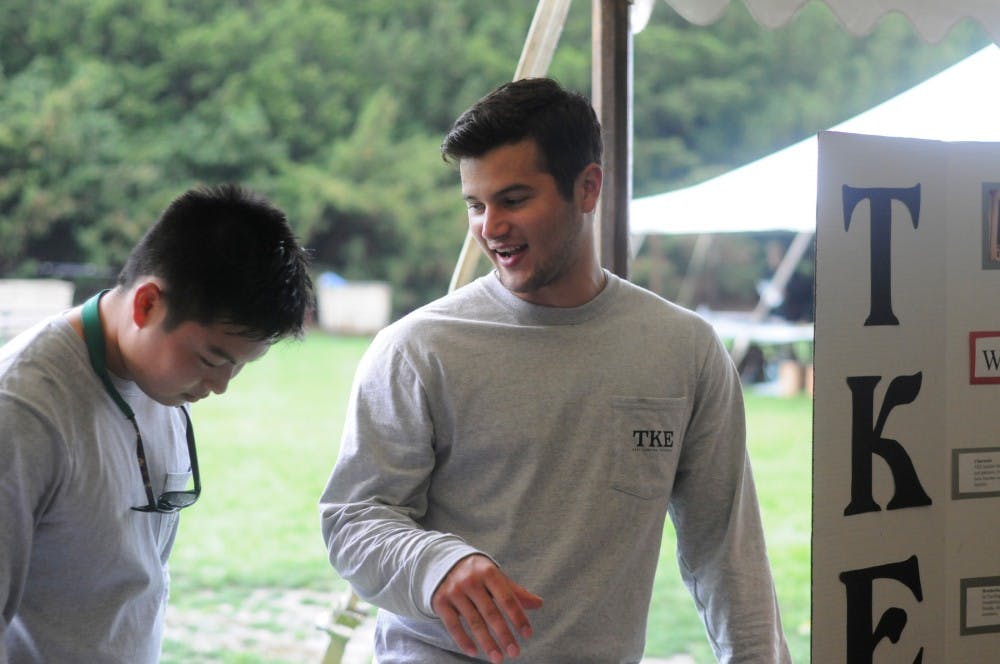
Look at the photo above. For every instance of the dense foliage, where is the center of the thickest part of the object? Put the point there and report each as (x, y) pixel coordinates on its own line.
(109, 108)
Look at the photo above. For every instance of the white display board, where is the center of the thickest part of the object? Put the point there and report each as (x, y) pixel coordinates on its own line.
(906, 451)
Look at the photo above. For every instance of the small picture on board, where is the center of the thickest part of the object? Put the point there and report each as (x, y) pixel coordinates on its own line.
(991, 225)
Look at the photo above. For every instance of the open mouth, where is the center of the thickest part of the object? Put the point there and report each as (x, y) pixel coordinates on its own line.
(509, 252)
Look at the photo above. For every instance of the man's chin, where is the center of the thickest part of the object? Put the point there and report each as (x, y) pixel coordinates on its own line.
(515, 283)
(175, 400)
(526, 287)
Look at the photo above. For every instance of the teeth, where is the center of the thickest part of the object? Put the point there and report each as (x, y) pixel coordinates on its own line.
(507, 252)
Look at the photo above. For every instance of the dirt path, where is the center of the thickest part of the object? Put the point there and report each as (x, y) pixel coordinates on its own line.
(276, 626)
(272, 626)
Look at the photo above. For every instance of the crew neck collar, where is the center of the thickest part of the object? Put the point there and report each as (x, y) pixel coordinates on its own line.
(530, 313)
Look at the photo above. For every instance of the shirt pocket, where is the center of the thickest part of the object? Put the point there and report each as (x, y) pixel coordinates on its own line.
(176, 481)
(647, 433)
(167, 529)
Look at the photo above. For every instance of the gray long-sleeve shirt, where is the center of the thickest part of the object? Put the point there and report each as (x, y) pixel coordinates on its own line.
(554, 441)
(83, 577)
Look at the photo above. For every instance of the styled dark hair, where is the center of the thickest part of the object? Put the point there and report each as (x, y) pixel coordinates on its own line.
(227, 255)
(562, 123)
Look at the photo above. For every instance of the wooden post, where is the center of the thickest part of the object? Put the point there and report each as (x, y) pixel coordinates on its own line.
(612, 98)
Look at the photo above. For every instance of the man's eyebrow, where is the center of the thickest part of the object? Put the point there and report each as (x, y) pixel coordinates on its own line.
(501, 193)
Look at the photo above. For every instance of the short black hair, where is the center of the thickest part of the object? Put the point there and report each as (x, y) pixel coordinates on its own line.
(226, 255)
(562, 123)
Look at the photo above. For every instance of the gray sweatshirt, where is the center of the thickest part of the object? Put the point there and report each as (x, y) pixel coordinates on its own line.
(555, 441)
(83, 578)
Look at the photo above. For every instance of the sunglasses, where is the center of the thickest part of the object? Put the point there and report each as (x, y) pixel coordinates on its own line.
(169, 501)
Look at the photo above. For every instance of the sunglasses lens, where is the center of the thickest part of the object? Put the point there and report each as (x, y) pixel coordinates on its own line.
(177, 499)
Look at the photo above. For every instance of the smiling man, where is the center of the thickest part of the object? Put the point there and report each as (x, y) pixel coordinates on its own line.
(539, 241)
(97, 451)
(512, 450)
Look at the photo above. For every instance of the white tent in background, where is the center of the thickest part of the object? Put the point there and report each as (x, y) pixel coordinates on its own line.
(778, 192)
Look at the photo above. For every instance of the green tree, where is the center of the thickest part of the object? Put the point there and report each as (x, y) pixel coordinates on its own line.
(335, 109)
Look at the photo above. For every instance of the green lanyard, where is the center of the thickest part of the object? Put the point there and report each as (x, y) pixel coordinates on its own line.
(93, 334)
(168, 501)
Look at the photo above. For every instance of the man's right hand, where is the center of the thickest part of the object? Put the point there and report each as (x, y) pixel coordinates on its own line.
(477, 592)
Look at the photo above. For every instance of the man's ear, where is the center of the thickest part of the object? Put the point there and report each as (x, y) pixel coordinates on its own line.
(147, 303)
(589, 183)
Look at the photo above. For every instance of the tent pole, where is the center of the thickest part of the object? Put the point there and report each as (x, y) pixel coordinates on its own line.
(776, 284)
(612, 97)
(699, 256)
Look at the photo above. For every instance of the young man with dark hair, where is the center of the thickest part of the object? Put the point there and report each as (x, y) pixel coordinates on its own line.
(97, 451)
(515, 447)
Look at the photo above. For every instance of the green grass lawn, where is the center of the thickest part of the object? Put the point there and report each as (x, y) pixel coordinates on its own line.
(267, 447)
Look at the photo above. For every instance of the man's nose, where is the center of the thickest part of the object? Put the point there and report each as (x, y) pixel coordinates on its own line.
(495, 223)
(218, 381)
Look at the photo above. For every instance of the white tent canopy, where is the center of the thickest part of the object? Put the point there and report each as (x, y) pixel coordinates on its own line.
(931, 18)
(778, 192)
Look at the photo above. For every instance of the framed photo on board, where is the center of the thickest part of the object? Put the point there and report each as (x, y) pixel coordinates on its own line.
(991, 225)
